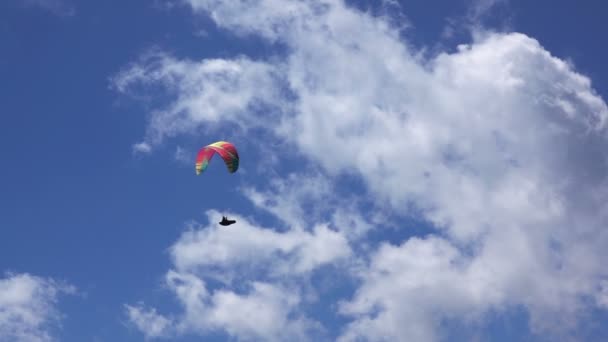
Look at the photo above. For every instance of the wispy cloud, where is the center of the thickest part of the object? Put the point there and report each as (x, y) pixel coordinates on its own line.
(57, 7)
(478, 13)
(500, 145)
(480, 8)
(226, 88)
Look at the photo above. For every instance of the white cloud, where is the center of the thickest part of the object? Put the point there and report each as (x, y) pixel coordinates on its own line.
(285, 196)
(480, 8)
(148, 321)
(406, 289)
(210, 92)
(142, 148)
(500, 145)
(296, 200)
(226, 249)
(261, 313)
(28, 310)
(479, 12)
(256, 267)
(409, 290)
(269, 18)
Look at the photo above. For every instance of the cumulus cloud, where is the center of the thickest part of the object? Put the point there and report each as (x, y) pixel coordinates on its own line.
(293, 251)
(404, 291)
(264, 312)
(148, 321)
(500, 145)
(256, 267)
(28, 310)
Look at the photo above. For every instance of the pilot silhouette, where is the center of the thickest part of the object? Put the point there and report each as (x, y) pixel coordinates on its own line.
(226, 222)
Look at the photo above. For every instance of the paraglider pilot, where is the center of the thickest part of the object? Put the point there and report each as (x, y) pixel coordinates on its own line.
(226, 222)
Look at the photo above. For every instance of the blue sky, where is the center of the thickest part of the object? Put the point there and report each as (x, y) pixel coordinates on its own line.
(392, 184)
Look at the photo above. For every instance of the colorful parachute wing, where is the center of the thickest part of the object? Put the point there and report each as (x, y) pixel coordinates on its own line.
(225, 149)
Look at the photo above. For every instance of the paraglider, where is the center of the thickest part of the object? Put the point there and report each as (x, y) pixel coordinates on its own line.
(226, 222)
(225, 149)
(230, 156)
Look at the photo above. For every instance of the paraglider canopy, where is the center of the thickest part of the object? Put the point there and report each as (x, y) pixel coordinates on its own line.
(225, 149)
